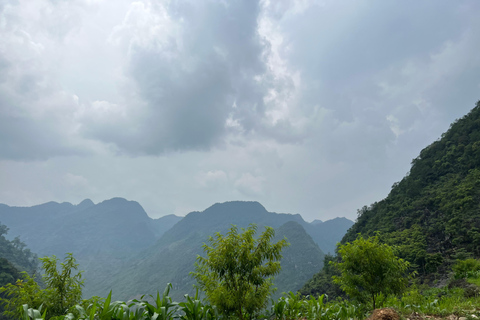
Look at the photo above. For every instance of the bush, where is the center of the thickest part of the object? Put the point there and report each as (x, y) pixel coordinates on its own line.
(468, 268)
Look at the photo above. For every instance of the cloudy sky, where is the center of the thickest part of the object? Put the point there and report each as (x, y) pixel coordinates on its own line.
(310, 107)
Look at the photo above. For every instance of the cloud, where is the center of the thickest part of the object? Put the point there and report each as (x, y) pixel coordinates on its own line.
(250, 185)
(306, 106)
(36, 114)
(193, 66)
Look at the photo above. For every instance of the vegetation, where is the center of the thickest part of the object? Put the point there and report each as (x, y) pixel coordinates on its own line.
(324, 280)
(419, 302)
(460, 298)
(15, 257)
(370, 270)
(432, 216)
(63, 292)
(16, 253)
(236, 273)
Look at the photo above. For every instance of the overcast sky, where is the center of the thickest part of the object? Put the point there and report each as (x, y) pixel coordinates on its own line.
(310, 107)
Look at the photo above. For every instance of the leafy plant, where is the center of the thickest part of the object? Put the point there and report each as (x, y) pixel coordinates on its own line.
(63, 292)
(466, 268)
(64, 289)
(24, 291)
(195, 309)
(236, 273)
(370, 270)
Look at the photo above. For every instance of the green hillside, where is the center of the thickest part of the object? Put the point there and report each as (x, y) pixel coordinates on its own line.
(172, 258)
(433, 214)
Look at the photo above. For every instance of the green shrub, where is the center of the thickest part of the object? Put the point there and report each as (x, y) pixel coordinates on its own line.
(468, 268)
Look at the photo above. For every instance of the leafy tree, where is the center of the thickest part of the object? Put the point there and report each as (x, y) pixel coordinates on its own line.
(236, 273)
(370, 269)
(63, 289)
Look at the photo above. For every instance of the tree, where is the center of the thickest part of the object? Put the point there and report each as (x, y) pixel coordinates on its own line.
(63, 289)
(236, 272)
(370, 269)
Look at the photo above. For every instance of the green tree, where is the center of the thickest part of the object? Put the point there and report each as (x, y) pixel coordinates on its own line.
(370, 269)
(14, 295)
(237, 272)
(63, 289)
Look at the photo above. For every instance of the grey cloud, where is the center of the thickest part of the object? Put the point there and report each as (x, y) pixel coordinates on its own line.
(346, 44)
(190, 83)
(36, 115)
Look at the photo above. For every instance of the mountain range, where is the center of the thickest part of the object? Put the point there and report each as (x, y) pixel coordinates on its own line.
(120, 247)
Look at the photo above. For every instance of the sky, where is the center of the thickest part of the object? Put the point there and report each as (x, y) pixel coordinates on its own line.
(310, 107)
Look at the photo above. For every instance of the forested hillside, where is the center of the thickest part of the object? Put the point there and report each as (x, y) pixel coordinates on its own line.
(14, 258)
(172, 258)
(101, 236)
(432, 215)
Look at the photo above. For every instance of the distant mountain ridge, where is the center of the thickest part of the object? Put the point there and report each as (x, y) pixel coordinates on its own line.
(173, 256)
(101, 236)
(120, 247)
(112, 225)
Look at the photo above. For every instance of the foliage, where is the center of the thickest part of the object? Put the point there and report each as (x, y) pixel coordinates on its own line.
(468, 268)
(432, 215)
(16, 252)
(322, 282)
(422, 301)
(8, 272)
(23, 291)
(293, 306)
(63, 291)
(236, 273)
(370, 270)
(195, 309)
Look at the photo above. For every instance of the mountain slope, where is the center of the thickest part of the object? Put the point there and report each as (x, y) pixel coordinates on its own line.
(432, 215)
(114, 225)
(173, 256)
(328, 233)
(101, 237)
